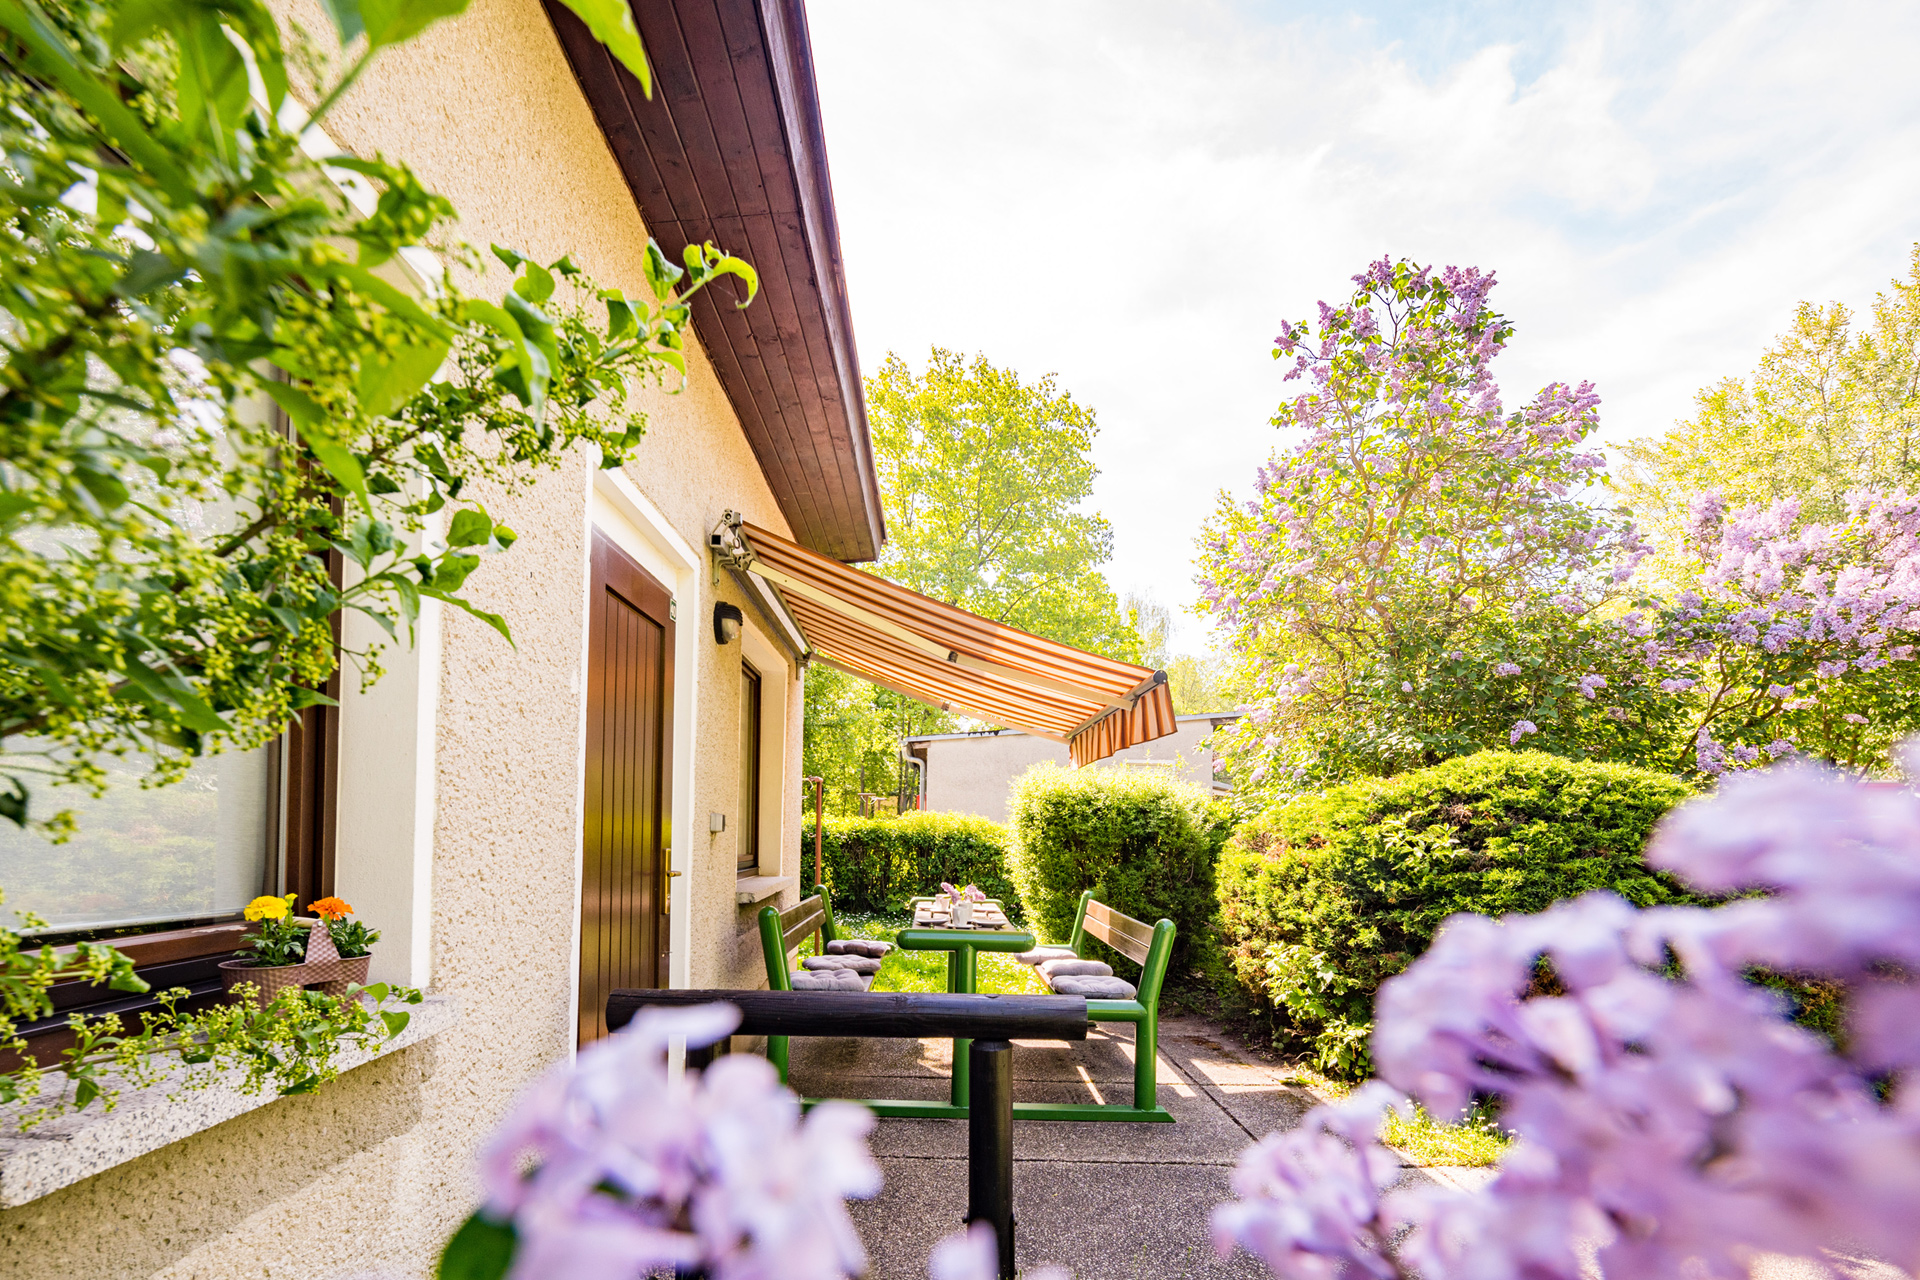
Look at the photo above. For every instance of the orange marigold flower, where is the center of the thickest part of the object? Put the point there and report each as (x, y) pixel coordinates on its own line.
(331, 909)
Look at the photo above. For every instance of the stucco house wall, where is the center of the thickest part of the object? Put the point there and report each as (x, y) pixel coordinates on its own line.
(373, 1172)
(974, 772)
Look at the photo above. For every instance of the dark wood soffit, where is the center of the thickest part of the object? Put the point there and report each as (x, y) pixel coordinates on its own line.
(730, 149)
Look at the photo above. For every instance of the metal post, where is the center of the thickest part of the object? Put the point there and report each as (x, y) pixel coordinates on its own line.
(819, 833)
(990, 1143)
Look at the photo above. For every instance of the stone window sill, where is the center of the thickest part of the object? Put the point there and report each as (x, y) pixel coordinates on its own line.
(59, 1153)
(748, 890)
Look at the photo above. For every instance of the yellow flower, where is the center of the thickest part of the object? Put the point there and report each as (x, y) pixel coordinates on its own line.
(269, 908)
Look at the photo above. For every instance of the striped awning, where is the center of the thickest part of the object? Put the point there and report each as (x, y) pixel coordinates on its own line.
(957, 661)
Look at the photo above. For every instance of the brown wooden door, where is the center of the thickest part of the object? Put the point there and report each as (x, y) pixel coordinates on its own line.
(623, 894)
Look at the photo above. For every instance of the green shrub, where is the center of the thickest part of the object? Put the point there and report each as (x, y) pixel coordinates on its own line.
(877, 864)
(1146, 845)
(1325, 897)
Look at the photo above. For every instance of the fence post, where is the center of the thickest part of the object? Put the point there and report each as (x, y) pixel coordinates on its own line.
(990, 1143)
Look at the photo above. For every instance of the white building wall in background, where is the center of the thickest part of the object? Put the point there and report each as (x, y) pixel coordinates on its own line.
(973, 772)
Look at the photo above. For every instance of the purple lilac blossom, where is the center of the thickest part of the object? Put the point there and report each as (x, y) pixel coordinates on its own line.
(634, 1169)
(1311, 1204)
(1520, 730)
(1667, 1111)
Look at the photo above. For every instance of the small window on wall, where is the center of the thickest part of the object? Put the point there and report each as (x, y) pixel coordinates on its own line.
(747, 841)
(163, 873)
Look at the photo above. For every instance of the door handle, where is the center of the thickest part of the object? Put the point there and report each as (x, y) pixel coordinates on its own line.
(667, 905)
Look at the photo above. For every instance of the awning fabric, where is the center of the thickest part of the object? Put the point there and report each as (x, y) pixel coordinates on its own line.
(955, 660)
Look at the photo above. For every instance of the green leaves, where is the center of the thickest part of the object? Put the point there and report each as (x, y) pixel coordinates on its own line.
(471, 527)
(135, 378)
(311, 422)
(386, 22)
(611, 22)
(662, 275)
(481, 1249)
(705, 264)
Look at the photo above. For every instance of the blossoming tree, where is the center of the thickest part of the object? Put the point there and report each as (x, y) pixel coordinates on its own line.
(1668, 1113)
(1412, 541)
(1421, 576)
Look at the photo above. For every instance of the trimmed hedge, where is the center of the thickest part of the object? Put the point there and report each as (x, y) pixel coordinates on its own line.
(1324, 898)
(1146, 845)
(877, 864)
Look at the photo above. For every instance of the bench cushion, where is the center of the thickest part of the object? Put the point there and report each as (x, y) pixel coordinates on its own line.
(858, 964)
(1074, 968)
(828, 980)
(1093, 988)
(859, 947)
(1038, 954)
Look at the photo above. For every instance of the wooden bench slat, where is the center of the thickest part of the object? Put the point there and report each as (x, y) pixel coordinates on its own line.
(1131, 938)
(798, 922)
(807, 907)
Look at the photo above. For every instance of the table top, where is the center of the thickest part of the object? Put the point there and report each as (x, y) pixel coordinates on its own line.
(987, 915)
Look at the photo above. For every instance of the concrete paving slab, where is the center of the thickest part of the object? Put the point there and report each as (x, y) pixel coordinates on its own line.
(1262, 1109)
(1206, 1055)
(1202, 1132)
(1134, 1220)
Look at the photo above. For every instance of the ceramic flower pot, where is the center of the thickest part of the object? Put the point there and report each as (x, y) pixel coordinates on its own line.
(353, 972)
(323, 969)
(268, 980)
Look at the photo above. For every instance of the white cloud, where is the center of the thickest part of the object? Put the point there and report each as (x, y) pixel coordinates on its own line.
(1133, 195)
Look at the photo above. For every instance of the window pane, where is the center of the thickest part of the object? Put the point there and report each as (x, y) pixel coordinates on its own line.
(202, 847)
(747, 843)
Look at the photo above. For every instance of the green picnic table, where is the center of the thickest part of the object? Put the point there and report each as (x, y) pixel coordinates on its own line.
(963, 947)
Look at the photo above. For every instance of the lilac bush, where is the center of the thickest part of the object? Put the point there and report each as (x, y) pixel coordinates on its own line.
(614, 1167)
(1418, 549)
(1668, 1112)
(1786, 636)
(1423, 573)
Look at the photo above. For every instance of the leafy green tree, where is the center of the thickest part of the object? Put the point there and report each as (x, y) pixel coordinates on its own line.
(1200, 684)
(983, 478)
(175, 269)
(1833, 407)
(853, 733)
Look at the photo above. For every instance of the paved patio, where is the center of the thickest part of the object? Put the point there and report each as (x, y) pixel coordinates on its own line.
(1106, 1201)
(1114, 1201)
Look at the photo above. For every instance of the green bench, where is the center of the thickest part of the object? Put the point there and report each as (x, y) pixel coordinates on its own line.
(1149, 946)
(781, 933)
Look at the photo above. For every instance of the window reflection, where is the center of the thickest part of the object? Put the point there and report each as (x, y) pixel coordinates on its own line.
(202, 847)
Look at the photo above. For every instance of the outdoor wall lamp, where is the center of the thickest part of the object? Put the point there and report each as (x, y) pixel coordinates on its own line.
(726, 623)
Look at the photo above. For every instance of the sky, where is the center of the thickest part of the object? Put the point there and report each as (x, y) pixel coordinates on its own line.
(1133, 195)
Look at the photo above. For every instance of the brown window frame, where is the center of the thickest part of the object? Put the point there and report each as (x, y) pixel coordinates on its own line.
(746, 858)
(187, 952)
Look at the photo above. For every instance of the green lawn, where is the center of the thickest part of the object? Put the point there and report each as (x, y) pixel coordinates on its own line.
(999, 974)
(1475, 1142)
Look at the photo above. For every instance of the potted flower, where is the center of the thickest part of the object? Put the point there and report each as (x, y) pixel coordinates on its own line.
(275, 956)
(351, 938)
(286, 950)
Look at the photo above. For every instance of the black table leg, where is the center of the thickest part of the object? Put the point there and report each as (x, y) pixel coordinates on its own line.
(990, 1143)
